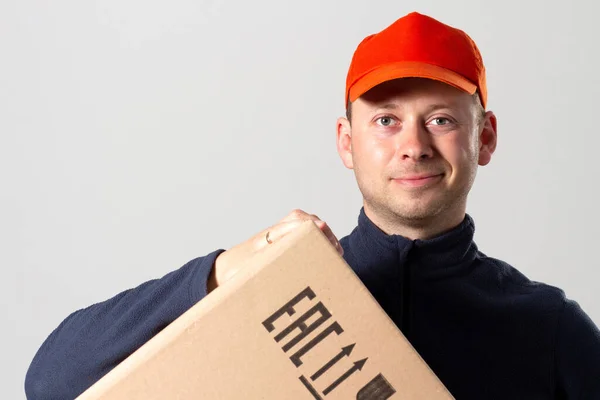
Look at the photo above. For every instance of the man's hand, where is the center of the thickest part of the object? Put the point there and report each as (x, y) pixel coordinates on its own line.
(229, 262)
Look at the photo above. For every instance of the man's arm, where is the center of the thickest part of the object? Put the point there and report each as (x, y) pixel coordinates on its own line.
(92, 341)
(577, 355)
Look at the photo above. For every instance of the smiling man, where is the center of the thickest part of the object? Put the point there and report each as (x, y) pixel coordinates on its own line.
(414, 145)
(415, 133)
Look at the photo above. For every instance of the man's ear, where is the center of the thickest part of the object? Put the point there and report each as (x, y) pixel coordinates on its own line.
(488, 138)
(344, 141)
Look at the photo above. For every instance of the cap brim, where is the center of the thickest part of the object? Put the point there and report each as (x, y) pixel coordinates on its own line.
(392, 71)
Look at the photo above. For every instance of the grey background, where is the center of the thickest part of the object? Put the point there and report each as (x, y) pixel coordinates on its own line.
(137, 135)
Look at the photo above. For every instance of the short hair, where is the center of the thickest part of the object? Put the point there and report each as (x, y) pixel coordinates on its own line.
(349, 111)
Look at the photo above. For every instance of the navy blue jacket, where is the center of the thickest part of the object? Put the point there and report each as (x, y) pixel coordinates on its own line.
(486, 330)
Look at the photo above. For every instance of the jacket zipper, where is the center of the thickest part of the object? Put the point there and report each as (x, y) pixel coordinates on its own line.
(406, 300)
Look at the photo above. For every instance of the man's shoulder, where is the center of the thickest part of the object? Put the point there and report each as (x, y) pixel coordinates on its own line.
(513, 282)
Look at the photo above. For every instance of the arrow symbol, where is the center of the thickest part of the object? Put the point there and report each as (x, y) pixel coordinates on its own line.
(357, 367)
(344, 353)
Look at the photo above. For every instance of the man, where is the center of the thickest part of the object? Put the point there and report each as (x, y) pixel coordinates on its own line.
(416, 131)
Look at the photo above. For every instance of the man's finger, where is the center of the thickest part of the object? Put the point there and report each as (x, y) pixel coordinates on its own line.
(296, 214)
(329, 233)
(276, 232)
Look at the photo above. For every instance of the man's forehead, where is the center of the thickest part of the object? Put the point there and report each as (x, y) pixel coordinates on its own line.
(427, 105)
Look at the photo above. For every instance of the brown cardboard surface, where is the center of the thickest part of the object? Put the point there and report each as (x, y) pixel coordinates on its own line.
(295, 323)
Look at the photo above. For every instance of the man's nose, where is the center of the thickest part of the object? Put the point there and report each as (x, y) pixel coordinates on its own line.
(414, 142)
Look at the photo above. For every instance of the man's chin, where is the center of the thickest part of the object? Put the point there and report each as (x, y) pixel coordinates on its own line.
(421, 212)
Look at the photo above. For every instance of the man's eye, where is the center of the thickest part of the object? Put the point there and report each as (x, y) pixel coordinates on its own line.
(440, 121)
(385, 121)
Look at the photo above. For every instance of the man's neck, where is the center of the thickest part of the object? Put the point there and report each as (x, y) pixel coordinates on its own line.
(426, 228)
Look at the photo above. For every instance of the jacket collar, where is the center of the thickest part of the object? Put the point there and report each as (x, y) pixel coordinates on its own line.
(373, 254)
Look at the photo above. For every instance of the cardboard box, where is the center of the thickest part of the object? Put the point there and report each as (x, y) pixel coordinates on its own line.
(295, 323)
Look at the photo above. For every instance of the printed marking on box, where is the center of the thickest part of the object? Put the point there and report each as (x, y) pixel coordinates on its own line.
(378, 388)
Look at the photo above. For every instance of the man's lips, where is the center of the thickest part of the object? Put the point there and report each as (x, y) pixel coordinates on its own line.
(418, 180)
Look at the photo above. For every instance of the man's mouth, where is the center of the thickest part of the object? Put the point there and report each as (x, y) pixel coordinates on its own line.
(419, 180)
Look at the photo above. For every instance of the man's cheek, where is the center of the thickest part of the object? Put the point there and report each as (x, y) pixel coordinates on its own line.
(381, 155)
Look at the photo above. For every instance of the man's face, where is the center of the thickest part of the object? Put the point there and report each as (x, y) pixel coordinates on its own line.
(414, 145)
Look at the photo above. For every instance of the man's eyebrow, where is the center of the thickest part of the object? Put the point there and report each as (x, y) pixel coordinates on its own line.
(386, 106)
(439, 106)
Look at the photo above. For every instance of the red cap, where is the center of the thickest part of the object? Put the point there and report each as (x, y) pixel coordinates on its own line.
(417, 46)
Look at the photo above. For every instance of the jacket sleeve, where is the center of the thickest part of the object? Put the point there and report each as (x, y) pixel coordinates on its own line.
(92, 341)
(577, 355)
